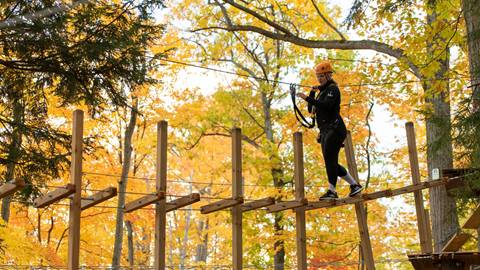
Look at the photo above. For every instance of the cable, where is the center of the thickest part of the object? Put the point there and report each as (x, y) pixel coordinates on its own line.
(299, 85)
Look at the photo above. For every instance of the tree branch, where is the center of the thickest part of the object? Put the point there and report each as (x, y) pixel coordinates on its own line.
(326, 21)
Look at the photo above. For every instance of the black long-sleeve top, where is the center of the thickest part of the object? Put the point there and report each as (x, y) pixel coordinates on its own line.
(326, 104)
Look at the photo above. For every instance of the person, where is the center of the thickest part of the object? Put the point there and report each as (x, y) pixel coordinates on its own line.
(325, 102)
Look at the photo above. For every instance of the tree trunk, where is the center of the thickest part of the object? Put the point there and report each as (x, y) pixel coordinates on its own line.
(277, 176)
(201, 251)
(471, 12)
(128, 224)
(14, 149)
(122, 186)
(439, 142)
(183, 251)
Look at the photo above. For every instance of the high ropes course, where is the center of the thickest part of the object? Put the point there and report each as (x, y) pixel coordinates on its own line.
(427, 259)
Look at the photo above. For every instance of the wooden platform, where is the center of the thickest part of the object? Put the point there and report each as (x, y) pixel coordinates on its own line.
(435, 261)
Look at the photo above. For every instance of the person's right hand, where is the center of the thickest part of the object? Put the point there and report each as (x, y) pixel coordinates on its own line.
(302, 95)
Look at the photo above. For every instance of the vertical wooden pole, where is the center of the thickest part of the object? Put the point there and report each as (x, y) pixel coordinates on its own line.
(237, 192)
(425, 238)
(300, 195)
(76, 202)
(359, 207)
(161, 206)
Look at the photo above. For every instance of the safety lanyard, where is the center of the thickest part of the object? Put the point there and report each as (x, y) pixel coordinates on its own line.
(298, 113)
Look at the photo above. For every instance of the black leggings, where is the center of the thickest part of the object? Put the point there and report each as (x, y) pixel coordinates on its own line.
(331, 141)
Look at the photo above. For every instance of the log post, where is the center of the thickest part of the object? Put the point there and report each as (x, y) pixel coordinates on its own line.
(359, 207)
(300, 195)
(76, 202)
(425, 238)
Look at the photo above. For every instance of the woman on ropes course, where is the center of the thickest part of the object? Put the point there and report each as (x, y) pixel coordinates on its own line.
(326, 107)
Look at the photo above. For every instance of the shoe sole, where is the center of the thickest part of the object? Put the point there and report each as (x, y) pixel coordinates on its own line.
(356, 192)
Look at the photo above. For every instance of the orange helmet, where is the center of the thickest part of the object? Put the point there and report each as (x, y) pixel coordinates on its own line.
(324, 67)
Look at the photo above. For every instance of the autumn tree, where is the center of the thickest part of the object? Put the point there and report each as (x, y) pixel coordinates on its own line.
(424, 54)
(84, 56)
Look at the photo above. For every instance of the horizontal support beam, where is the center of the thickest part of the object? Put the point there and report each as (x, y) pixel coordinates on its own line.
(54, 196)
(282, 206)
(99, 197)
(438, 260)
(143, 201)
(258, 204)
(10, 188)
(182, 202)
(220, 205)
(380, 194)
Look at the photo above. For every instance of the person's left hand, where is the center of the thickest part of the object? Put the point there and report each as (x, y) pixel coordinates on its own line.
(302, 95)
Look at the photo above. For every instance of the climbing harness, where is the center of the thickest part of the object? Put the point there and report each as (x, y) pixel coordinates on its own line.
(298, 113)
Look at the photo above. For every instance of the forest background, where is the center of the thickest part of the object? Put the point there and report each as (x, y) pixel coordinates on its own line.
(208, 66)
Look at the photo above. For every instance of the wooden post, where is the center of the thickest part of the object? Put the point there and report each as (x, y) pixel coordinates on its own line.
(237, 185)
(425, 238)
(359, 207)
(76, 202)
(300, 195)
(161, 206)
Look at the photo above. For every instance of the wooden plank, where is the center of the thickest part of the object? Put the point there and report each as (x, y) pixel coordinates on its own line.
(301, 231)
(365, 197)
(320, 204)
(99, 197)
(220, 205)
(473, 222)
(282, 206)
(182, 202)
(237, 192)
(143, 201)
(161, 185)
(8, 189)
(258, 204)
(76, 181)
(456, 242)
(359, 207)
(54, 196)
(425, 239)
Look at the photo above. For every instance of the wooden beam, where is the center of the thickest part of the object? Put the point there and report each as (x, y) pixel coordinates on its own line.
(258, 204)
(76, 181)
(54, 196)
(161, 207)
(8, 189)
(473, 222)
(425, 238)
(237, 192)
(365, 197)
(282, 206)
(456, 242)
(143, 201)
(182, 202)
(301, 231)
(359, 207)
(220, 205)
(99, 197)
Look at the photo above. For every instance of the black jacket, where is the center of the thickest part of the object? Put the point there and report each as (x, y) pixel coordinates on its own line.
(326, 106)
